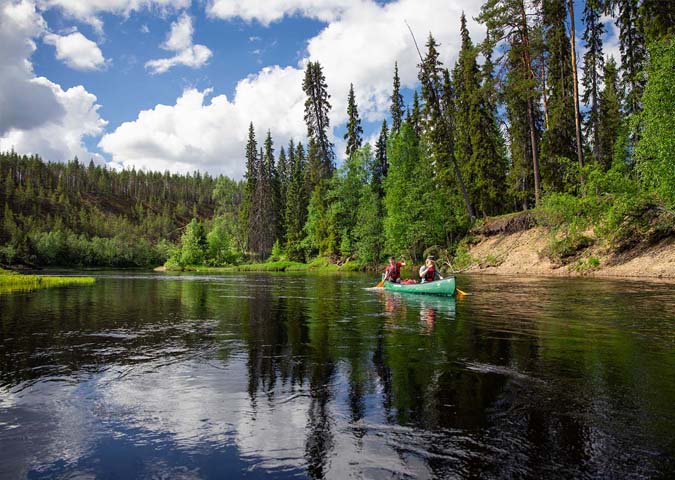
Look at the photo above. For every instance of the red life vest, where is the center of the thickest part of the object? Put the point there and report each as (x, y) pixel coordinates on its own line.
(429, 276)
(394, 272)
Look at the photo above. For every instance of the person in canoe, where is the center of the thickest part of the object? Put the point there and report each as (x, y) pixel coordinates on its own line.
(429, 272)
(393, 270)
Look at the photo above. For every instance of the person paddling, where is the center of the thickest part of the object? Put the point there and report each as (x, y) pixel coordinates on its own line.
(393, 271)
(428, 271)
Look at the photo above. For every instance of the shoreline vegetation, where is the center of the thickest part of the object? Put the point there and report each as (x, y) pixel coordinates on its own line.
(11, 282)
(491, 167)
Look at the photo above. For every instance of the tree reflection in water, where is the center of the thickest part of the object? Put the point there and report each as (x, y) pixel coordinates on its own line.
(373, 384)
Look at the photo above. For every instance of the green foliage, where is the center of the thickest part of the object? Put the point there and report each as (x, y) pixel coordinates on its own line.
(369, 232)
(193, 244)
(419, 211)
(277, 254)
(222, 248)
(655, 151)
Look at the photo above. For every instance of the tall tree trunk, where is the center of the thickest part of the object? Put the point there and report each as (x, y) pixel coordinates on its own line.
(577, 116)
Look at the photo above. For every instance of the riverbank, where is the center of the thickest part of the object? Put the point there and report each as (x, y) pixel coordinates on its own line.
(537, 250)
(15, 282)
(319, 265)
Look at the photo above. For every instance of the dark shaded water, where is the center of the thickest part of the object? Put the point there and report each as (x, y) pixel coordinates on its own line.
(158, 376)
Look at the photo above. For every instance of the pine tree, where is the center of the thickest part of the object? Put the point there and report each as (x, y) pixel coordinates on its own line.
(354, 130)
(593, 65)
(397, 105)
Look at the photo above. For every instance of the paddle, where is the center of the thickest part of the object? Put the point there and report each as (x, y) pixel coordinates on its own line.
(461, 293)
(380, 285)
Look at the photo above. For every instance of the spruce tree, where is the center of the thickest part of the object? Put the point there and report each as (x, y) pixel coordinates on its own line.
(415, 116)
(609, 115)
(296, 202)
(508, 20)
(558, 147)
(465, 83)
(488, 152)
(436, 120)
(397, 105)
(251, 157)
(633, 53)
(282, 176)
(262, 224)
(381, 164)
(317, 106)
(354, 130)
(593, 65)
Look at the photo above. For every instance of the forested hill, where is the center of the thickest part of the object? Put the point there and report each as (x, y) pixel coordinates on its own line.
(75, 214)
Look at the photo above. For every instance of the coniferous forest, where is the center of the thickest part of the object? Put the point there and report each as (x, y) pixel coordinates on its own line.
(518, 123)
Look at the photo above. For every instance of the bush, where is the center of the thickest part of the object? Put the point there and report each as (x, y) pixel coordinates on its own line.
(655, 151)
(562, 250)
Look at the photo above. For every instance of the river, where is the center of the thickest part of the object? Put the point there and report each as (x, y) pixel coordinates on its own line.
(315, 376)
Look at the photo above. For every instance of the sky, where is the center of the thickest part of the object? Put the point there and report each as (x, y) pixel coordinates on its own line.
(173, 84)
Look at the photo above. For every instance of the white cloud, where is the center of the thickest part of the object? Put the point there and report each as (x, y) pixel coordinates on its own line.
(77, 51)
(38, 116)
(198, 133)
(87, 10)
(268, 11)
(611, 44)
(62, 139)
(179, 40)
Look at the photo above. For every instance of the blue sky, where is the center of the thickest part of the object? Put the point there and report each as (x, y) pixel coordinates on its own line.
(173, 84)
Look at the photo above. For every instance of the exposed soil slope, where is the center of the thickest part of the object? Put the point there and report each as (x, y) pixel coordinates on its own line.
(526, 251)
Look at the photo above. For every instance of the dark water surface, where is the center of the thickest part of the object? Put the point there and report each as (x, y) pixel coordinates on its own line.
(160, 376)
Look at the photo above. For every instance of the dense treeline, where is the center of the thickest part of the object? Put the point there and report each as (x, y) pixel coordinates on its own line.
(504, 129)
(511, 126)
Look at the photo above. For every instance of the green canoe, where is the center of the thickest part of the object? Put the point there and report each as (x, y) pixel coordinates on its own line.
(439, 287)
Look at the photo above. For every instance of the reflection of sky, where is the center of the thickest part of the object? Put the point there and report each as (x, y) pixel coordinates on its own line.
(170, 419)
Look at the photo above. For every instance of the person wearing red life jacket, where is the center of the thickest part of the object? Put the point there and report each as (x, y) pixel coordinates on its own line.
(429, 272)
(393, 271)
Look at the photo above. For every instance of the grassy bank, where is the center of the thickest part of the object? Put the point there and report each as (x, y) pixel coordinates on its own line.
(14, 282)
(319, 265)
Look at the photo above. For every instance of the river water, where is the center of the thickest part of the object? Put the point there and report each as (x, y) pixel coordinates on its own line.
(314, 376)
